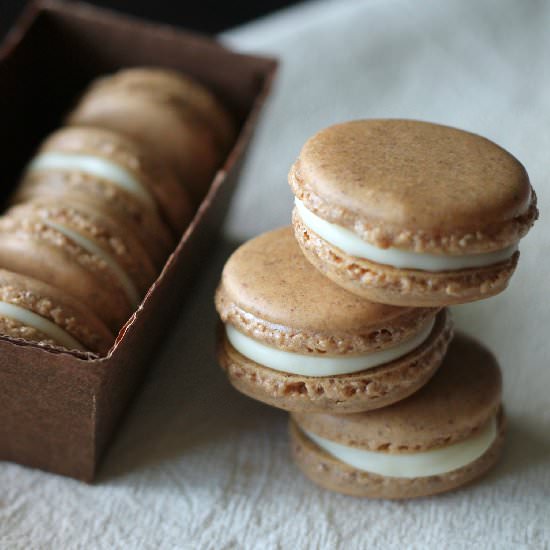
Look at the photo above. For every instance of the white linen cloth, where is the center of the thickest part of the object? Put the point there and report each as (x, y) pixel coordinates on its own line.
(195, 464)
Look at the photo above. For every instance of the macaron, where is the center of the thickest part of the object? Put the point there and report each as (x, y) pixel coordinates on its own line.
(411, 213)
(112, 175)
(295, 340)
(447, 434)
(75, 249)
(170, 86)
(112, 157)
(37, 312)
(171, 114)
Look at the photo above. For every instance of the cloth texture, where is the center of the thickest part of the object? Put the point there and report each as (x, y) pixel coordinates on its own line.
(195, 464)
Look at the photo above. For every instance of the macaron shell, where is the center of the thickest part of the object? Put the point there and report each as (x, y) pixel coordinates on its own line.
(15, 329)
(186, 147)
(105, 197)
(159, 181)
(30, 247)
(271, 293)
(54, 305)
(401, 287)
(345, 394)
(463, 395)
(123, 247)
(167, 86)
(332, 474)
(415, 185)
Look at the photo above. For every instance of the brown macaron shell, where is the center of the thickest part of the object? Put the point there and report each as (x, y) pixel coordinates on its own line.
(270, 293)
(55, 306)
(171, 87)
(158, 180)
(30, 246)
(104, 197)
(108, 234)
(459, 401)
(401, 287)
(415, 186)
(181, 142)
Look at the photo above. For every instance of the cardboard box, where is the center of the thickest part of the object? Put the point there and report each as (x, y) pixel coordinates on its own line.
(58, 410)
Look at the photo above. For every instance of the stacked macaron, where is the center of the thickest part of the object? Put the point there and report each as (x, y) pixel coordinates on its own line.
(342, 319)
(102, 204)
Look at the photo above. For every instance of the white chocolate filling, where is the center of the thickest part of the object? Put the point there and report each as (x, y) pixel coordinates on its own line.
(31, 319)
(309, 365)
(95, 166)
(127, 285)
(419, 464)
(352, 244)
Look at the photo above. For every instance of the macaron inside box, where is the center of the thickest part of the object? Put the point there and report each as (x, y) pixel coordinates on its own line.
(35, 311)
(294, 339)
(444, 436)
(75, 248)
(174, 116)
(411, 213)
(102, 195)
(122, 166)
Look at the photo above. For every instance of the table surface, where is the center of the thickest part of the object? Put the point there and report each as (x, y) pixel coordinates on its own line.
(195, 464)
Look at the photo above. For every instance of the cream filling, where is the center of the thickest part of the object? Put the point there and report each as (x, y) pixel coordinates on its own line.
(95, 166)
(127, 285)
(309, 365)
(352, 244)
(31, 319)
(419, 464)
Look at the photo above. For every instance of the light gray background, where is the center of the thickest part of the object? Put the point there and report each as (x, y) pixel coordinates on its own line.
(196, 465)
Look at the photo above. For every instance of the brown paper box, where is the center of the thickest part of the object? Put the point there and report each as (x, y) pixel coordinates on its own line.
(58, 410)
